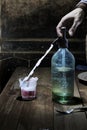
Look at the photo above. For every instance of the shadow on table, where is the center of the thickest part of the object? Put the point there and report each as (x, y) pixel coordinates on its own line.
(60, 109)
(75, 101)
(19, 98)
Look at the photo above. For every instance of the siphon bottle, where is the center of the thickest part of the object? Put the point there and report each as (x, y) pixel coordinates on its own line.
(63, 72)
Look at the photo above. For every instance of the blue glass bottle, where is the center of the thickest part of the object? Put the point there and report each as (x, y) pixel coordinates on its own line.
(63, 71)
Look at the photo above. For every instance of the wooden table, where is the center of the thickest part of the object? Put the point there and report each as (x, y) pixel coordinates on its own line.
(40, 113)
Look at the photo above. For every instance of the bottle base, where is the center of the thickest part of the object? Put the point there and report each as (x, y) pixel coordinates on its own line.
(62, 99)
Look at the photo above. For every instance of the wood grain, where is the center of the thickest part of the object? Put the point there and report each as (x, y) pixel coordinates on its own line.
(40, 113)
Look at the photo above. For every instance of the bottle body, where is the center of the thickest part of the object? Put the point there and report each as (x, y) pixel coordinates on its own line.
(62, 70)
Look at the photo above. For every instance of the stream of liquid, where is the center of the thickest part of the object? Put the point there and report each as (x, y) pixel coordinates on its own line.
(39, 61)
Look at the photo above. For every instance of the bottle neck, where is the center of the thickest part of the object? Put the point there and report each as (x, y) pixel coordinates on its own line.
(63, 43)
